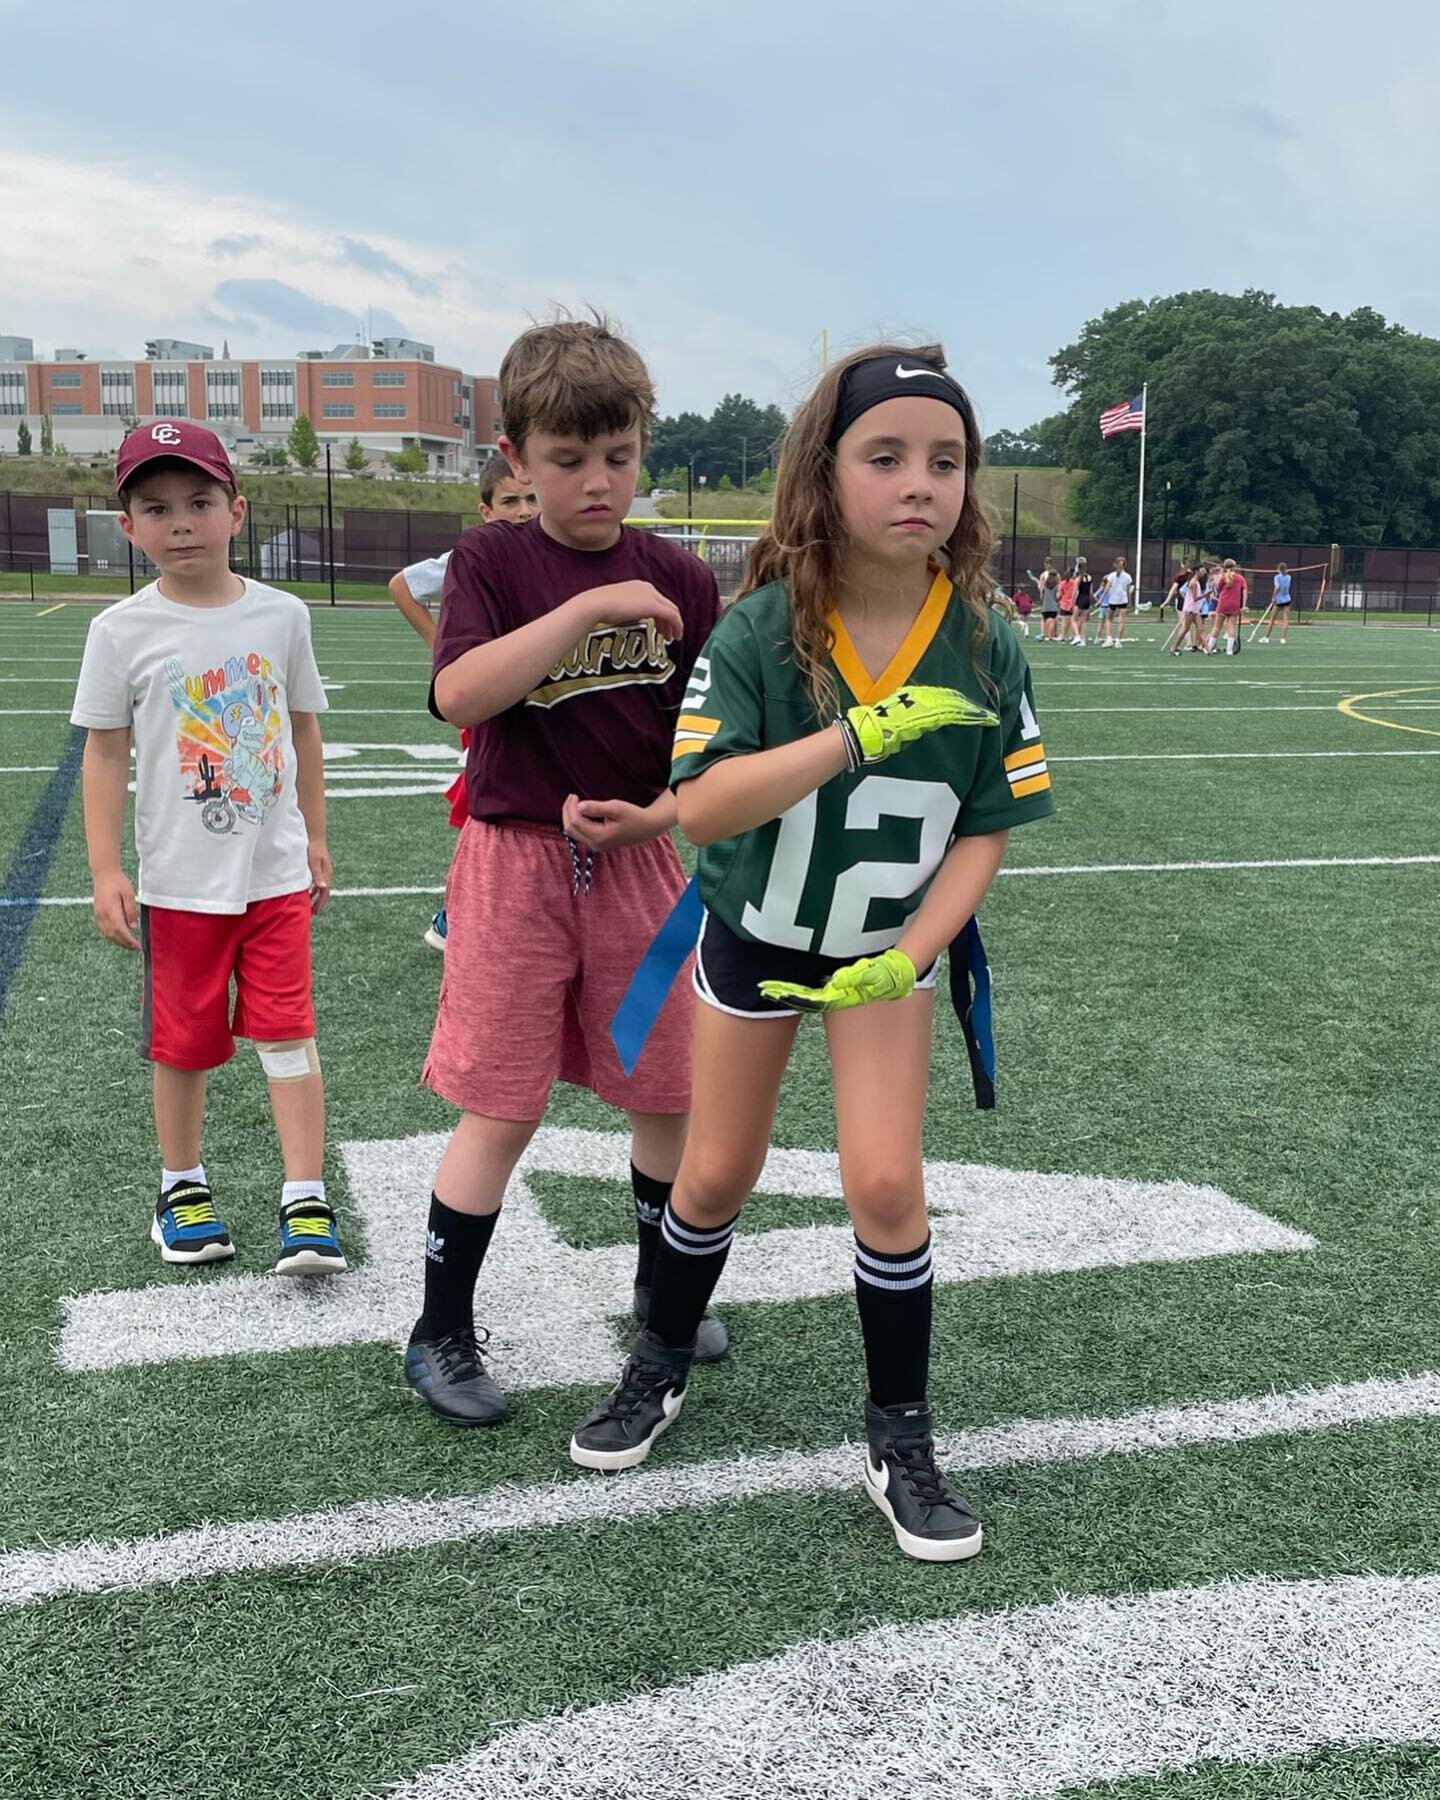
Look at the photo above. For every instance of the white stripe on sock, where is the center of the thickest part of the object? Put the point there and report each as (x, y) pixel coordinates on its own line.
(893, 1265)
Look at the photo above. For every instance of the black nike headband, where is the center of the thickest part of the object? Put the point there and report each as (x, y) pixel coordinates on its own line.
(866, 384)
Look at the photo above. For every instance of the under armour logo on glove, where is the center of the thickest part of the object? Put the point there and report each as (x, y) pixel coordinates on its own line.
(872, 733)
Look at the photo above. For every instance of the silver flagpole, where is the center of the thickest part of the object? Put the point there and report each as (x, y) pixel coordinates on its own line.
(1140, 512)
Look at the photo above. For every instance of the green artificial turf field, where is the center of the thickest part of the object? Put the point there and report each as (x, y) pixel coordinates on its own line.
(1187, 1357)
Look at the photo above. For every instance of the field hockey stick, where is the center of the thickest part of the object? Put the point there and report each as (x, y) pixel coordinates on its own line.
(1268, 612)
(1175, 636)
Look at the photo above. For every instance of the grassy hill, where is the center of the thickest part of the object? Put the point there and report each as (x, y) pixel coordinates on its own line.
(1044, 493)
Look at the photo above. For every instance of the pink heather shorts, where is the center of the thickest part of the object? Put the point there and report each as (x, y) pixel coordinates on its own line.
(534, 971)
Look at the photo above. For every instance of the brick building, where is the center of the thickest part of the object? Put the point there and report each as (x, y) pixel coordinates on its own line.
(390, 395)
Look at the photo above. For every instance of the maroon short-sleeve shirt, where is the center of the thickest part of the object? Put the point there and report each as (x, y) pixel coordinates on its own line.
(601, 723)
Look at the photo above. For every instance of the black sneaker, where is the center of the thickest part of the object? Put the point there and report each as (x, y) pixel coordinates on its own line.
(712, 1340)
(449, 1375)
(620, 1431)
(930, 1520)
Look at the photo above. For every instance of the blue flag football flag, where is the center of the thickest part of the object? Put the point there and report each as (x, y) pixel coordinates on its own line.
(636, 1014)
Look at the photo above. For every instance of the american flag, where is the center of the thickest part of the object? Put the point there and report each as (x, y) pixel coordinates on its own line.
(1128, 416)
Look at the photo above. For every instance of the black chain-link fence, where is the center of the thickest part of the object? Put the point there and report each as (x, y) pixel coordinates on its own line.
(291, 544)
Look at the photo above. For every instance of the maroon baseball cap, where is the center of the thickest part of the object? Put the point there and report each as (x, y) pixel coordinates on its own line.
(175, 438)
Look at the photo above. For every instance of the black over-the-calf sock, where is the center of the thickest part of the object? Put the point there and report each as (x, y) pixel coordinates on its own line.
(687, 1266)
(455, 1246)
(651, 1198)
(894, 1295)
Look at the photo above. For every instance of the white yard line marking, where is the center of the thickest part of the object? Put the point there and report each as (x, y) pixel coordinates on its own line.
(29, 769)
(988, 1222)
(382, 1527)
(1166, 868)
(1190, 868)
(1010, 1706)
(1230, 755)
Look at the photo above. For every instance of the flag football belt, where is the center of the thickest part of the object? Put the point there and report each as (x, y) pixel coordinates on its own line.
(634, 1020)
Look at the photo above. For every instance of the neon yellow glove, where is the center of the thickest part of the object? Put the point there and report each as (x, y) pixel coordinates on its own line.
(889, 976)
(872, 733)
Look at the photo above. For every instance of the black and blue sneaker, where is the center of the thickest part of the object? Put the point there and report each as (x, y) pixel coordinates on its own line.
(436, 931)
(449, 1375)
(309, 1239)
(187, 1227)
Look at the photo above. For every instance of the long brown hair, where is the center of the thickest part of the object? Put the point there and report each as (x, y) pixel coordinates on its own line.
(805, 541)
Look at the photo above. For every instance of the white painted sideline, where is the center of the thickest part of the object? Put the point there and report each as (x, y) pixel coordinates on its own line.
(370, 1528)
(987, 1222)
(1003, 1706)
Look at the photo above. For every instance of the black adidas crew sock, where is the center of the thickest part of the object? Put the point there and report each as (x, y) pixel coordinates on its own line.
(688, 1263)
(455, 1246)
(651, 1199)
(894, 1294)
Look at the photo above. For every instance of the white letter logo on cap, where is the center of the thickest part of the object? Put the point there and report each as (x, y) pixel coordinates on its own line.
(164, 434)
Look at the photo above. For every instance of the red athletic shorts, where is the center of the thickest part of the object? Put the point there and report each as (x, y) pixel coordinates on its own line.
(189, 959)
(535, 966)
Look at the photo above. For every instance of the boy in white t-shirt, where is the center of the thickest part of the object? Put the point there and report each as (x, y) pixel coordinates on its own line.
(503, 499)
(215, 679)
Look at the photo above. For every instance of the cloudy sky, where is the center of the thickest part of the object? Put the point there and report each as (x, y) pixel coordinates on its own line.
(727, 179)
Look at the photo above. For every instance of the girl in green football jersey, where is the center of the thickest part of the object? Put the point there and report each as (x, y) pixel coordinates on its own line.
(864, 636)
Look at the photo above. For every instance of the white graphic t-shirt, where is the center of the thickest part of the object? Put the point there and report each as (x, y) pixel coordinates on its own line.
(208, 692)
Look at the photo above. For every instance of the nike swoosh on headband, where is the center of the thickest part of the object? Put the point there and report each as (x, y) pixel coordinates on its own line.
(905, 374)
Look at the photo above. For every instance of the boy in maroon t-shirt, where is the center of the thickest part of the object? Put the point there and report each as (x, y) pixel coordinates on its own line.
(565, 645)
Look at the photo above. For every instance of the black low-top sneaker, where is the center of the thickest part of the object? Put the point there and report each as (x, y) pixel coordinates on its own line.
(620, 1431)
(712, 1340)
(930, 1520)
(449, 1375)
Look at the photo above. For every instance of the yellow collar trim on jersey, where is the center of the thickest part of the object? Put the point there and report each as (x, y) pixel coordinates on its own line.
(905, 661)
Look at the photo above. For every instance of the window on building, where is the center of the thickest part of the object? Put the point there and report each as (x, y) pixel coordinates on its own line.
(270, 409)
(64, 381)
(389, 410)
(337, 378)
(67, 409)
(339, 409)
(389, 378)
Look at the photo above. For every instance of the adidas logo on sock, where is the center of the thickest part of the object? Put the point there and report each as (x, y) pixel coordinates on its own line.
(434, 1247)
(647, 1215)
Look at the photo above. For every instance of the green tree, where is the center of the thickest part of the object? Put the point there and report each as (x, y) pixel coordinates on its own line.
(1270, 422)
(273, 458)
(304, 445)
(646, 480)
(23, 439)
(47, 435)
(355, 457)
(130, 422)
(409, 461)
(764, 482)
(725, 485)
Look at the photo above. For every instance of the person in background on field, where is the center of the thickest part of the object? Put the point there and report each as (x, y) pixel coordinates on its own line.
(503, 499)
(1280, 605)
(1230, 595)
(1024, 603)
(1048, 582)
(1175, 593)
(1084, 594)
(1115, 602)
(1187, 604)
(1067, 609)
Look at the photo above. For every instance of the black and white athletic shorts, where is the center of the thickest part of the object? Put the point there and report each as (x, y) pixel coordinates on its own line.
(729, 970)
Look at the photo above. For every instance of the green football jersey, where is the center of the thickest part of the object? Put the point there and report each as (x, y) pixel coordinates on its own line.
(841, 872)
